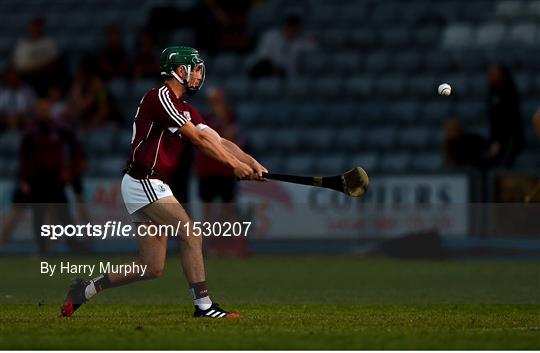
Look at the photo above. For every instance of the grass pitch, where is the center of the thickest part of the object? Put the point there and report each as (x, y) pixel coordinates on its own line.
(286, 302)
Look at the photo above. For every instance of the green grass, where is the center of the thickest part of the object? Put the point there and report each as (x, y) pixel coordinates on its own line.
(287, 302)
(274, 326)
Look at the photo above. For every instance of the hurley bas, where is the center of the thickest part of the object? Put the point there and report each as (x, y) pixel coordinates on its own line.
(66, 267)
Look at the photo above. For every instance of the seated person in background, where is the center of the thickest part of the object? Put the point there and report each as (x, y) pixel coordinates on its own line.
(16, 101)
(90, 105)
(463, 149)
(35, 56)
(278, 50)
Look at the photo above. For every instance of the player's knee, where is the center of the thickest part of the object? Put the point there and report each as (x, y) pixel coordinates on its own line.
(154, 271)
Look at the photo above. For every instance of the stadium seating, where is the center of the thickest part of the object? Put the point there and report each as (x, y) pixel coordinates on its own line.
(330, 164)
(267, 89)
(302, 164)
(509, 8)
(524, 33)
(299, 87)
(458, 35)
(414, 138)
(368, 94)
(100, 141)
(369, 161)
(111, 165)
(395, 162)
(428, 162)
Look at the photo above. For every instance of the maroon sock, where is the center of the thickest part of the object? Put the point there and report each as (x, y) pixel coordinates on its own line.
(102, 282)
(198, 290)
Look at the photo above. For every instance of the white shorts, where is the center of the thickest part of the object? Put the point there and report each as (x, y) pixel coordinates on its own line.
(138, 193)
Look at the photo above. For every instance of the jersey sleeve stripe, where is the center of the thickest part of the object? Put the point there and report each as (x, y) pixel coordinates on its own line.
(171, 111)
(167, 99)
(167, 110)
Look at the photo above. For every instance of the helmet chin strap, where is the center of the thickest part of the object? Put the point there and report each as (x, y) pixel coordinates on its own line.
(185, 82)
(190, 91)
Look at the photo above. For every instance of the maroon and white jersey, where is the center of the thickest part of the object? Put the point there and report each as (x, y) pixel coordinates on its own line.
(156, 145)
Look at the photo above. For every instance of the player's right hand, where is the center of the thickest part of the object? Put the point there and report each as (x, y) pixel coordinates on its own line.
(243, 171)
(258, 170)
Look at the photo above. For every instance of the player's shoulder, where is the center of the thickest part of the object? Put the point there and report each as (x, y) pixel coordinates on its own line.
(154, 96)
(151, 94)
(162, 94)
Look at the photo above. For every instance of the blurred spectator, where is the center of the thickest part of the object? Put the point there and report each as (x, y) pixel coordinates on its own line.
(112, 59)
(58, 103)
(505, 138)
(536, 123)
(13, 217)
(217, 185)
(107, 114)
(147, 57)
(215, 179)
(278, 50)
(36, 55)
(506, 128)
(181, 179)
(50, 158)
(16, 101)
(89, 103)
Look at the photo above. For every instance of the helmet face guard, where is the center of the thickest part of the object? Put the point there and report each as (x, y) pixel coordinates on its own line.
(194, 78)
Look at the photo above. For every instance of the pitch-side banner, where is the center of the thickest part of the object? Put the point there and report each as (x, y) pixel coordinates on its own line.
(393, 206)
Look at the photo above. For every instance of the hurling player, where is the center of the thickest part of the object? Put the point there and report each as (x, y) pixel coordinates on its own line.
(164, 123)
